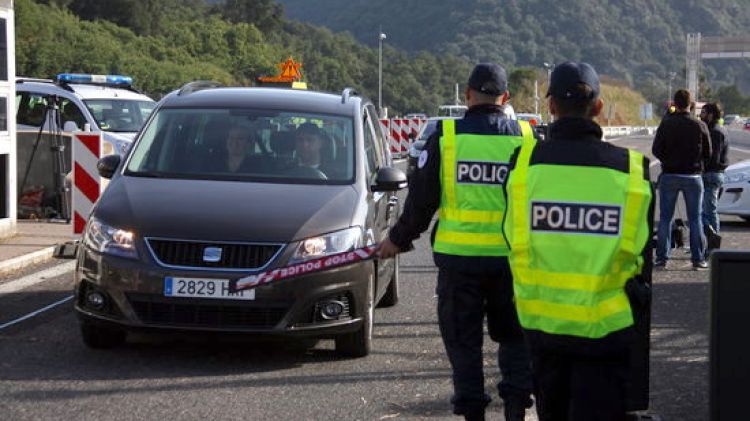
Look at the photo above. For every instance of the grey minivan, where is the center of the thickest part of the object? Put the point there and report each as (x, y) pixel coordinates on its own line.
(222, 183)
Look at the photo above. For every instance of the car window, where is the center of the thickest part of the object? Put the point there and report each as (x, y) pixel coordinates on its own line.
(69, 111)
(31, 108)
(246, 145)
(120, 115)
(371, 149)
(381, 144)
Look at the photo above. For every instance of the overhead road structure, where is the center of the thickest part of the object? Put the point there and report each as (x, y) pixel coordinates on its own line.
(710, 48)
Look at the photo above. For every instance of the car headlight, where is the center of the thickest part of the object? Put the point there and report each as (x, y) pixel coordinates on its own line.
(737, 177)
(110, 240)
(324, 245)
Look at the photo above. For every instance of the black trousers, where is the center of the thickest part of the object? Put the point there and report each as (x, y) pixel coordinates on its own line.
(463, 301)
(579, 386)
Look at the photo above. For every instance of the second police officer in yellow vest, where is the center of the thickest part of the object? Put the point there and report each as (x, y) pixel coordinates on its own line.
(460, 175)
(579, 225)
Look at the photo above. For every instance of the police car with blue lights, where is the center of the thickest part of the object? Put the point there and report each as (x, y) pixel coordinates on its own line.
(106, 103)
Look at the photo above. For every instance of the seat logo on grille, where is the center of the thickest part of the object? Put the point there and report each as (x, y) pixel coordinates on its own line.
(212, 254)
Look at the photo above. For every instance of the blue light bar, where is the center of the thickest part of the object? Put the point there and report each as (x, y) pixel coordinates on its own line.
(115, 80)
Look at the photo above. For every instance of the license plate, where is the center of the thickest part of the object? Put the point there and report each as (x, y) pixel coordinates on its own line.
(203, 288)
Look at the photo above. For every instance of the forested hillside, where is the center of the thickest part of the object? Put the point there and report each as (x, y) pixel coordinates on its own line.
(639, 41)
(166, 43)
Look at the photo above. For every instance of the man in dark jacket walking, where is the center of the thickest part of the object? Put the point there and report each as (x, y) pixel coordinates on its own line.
(460, 174)
(713, 175)
(682, 144)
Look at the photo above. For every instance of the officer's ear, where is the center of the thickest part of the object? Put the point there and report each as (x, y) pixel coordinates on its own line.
(551, 105)
(597, 108)
(505, 98)
(467, 94)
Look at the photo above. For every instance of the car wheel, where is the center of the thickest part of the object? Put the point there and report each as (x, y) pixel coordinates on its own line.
(390, 298)
(100, 337)
(357, 344)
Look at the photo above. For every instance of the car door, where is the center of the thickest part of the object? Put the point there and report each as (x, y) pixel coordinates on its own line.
(384, 203)
(378, 206)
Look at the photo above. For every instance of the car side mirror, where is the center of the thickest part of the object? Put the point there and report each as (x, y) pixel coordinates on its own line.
(389, 179)
(107, 165)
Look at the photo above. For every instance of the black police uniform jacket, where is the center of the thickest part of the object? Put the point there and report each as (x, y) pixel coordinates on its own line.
(423, 199)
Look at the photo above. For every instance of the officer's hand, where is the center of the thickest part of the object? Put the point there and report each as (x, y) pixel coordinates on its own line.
(387, 249)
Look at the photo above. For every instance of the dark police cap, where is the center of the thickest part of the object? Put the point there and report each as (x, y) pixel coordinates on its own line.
(566, 76)
(489, 79)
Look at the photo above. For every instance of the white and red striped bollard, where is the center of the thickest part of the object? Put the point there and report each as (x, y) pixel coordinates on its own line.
(87, 185)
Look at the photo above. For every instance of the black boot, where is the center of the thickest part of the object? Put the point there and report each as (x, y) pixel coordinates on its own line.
(474, 415)
(515, 407)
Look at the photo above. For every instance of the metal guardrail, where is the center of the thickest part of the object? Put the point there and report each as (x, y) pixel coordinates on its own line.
(618, 131)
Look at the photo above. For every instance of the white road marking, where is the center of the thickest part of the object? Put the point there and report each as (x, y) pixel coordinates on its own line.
(36, 278)
(35, 313)
(734, 148)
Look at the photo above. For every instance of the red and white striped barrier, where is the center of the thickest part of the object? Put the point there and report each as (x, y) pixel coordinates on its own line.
(398, 131)
(304, 268)
(87, 185)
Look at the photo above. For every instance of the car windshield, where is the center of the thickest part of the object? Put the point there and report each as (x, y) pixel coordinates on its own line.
(246, 145)
(120, 115)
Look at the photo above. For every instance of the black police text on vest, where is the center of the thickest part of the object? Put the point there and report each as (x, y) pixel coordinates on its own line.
(481, 172)
(580, 218)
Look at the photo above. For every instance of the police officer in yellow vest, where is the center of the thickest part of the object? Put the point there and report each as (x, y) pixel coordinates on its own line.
(460, 174)
(578, 224)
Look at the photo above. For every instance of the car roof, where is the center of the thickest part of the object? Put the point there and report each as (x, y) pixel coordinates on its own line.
(82, 91)
(266, 98)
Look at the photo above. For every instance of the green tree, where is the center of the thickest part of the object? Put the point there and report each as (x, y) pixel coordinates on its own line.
(264, 14)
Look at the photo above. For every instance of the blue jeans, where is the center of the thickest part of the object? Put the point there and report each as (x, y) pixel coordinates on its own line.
(712, 182)
(670, 186)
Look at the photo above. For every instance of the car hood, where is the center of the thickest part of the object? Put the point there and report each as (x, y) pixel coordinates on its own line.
(743, 166)
(121, 141)
(225, 210)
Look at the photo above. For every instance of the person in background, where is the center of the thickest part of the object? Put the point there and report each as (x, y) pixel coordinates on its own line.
(682, 144)
(713, 175)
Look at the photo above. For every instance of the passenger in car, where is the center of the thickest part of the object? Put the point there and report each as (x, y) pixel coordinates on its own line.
(308, 141)
(313, 149)
(232, 156)
(239, 145)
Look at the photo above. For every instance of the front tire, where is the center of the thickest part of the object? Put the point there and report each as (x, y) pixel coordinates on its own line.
(100, 337)
(358, 344)
(390, 298)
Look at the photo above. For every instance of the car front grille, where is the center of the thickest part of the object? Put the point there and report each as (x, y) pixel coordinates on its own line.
(190, 254)
(198, 313)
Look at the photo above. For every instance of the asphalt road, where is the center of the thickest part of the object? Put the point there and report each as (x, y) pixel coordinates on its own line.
(46, 373)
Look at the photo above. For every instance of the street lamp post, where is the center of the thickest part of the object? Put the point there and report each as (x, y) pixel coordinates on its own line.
(549, 67)
(672, 75)
(381, 38)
